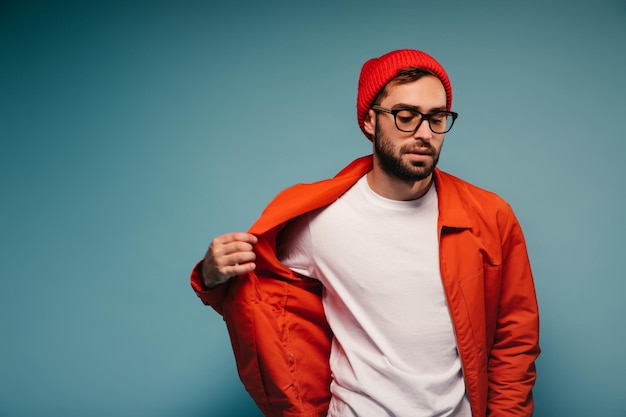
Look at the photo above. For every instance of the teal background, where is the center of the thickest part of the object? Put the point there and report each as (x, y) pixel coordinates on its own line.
(133, 132)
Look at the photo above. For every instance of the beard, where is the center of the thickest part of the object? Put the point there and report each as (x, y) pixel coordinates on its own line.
(391, 161)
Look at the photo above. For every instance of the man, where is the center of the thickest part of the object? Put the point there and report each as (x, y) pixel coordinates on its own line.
(392, 289)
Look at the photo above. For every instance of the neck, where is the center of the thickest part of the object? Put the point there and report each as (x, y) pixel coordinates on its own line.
(395, 188)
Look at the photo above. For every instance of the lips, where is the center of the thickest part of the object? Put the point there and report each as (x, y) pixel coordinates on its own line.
(421, 151)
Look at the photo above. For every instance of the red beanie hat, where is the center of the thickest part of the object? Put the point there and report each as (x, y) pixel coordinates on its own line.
(377, 72)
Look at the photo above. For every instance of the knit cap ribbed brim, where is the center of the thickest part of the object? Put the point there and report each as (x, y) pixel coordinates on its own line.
(377, 72)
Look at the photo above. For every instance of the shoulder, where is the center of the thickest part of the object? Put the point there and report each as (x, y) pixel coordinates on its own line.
(463, 203)
(467, 192)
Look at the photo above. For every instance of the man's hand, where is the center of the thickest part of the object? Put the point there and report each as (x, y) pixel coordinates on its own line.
(229, 255)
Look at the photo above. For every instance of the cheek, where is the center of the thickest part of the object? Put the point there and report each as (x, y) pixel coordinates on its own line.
(439, 143)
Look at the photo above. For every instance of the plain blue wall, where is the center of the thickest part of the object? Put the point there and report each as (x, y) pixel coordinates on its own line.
(133, 132)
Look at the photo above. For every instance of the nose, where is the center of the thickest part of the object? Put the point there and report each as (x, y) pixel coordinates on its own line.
(423, 131)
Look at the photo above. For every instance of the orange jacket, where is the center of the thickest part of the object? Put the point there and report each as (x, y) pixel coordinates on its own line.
(281, 340)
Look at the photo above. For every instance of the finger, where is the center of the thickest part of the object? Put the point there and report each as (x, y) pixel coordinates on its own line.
(227, 272)
(235, 237)
(243, 268)
(233, 248)
(236, 258)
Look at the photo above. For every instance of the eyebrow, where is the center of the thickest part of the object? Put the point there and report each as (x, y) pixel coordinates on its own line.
(411, 107)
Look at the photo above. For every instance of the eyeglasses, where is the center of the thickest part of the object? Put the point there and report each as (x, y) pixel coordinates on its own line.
(408, 119)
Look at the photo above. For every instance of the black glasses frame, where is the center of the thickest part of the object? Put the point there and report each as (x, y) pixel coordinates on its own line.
(424, 116)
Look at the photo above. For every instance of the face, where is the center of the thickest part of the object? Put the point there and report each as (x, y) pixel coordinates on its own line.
(405, 155)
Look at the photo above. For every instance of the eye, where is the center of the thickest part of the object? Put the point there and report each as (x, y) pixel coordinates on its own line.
(439, 118)
(406, 116)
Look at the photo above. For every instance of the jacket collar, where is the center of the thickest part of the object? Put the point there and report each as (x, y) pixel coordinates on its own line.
(303, 198)
(452, 213)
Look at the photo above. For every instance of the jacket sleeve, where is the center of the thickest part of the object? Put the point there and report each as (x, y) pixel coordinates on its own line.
(279, 335)
(511, 362)
(280, 338)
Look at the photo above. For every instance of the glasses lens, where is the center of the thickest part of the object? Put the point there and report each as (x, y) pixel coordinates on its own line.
(441, 122)
(407, 121)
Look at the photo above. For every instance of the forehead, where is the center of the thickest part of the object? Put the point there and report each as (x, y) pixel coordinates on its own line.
(427, 92)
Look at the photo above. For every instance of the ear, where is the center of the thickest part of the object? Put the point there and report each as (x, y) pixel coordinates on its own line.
(369, 124)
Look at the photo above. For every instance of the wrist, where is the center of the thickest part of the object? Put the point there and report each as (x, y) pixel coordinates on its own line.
(205, 281)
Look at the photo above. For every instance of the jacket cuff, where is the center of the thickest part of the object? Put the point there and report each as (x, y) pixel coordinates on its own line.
(213, 297)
